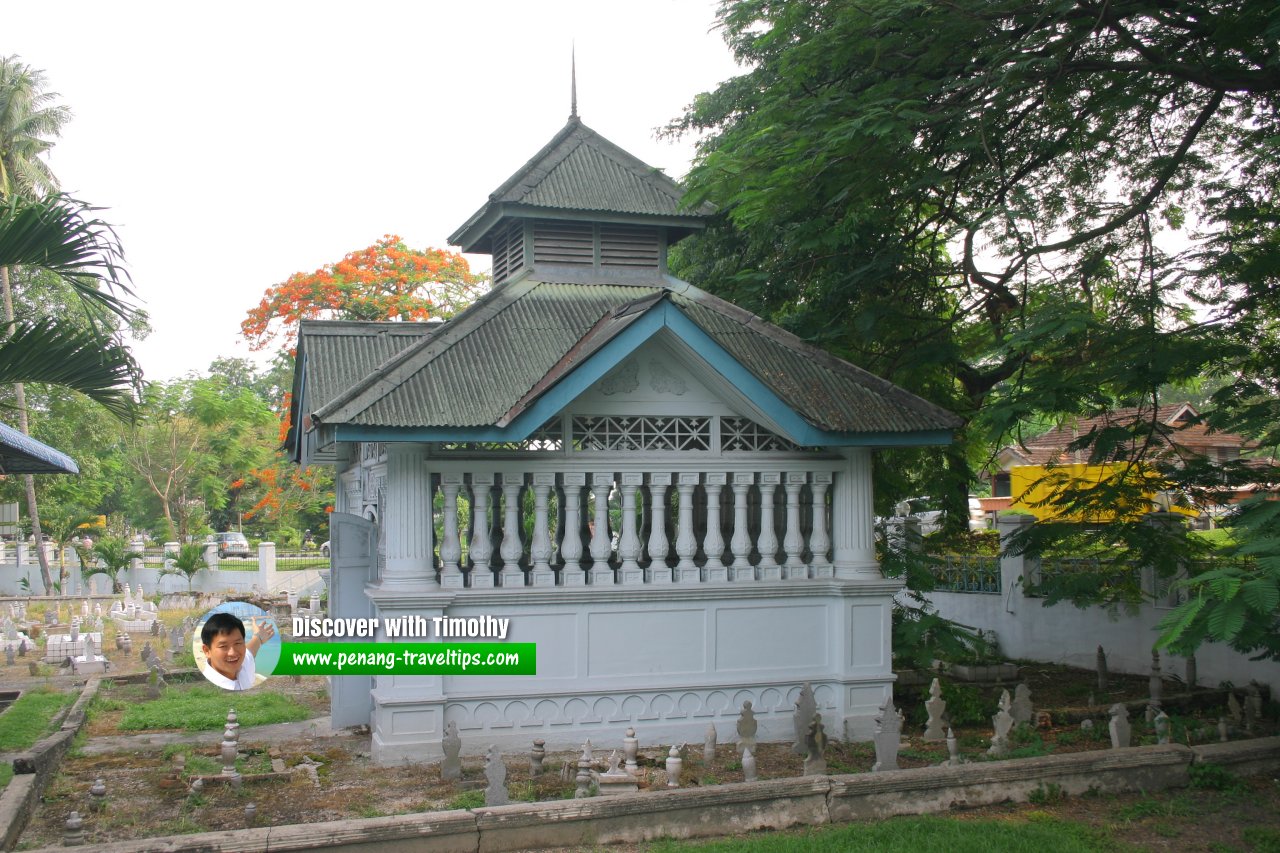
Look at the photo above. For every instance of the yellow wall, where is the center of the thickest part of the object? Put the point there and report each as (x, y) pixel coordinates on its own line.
(1032, 485)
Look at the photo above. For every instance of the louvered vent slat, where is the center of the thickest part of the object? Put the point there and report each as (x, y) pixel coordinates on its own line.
(563, 243)
(508, 252)
(629, 247)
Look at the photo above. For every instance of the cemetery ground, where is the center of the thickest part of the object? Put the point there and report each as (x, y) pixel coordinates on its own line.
(307, 775)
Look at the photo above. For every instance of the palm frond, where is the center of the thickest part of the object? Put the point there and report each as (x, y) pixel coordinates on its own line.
(60, 234)
(98, 367)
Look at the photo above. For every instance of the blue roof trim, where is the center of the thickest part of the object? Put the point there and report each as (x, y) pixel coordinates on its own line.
(22, 454)
(668, 316)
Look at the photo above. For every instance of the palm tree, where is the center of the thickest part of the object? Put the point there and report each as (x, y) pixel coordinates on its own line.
(28, 123)
(189, 560)
(109, 556)
(64, 529)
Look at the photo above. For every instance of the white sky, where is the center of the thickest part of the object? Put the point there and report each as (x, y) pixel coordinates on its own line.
(237, 143)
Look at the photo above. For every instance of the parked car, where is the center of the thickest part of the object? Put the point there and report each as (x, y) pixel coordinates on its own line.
(928, 511)
(324, 548)
(231, 545)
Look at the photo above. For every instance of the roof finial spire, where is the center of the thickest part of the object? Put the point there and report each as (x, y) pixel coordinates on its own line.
(573, 81)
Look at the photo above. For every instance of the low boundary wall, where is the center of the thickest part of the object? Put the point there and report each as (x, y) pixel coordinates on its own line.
(736, 808)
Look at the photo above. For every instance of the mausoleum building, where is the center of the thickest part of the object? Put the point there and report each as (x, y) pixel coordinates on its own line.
(668, 495)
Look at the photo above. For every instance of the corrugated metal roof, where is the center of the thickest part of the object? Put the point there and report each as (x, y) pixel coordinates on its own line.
(22, 454)
(478, 371)
(340, 354)
(581, 170)
(478, 378)
(587, 179)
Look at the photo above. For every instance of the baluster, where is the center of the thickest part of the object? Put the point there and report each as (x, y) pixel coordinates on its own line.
(686, 541)
(601, 546)
(740, 544)
(450, 546)
(540, 546)
(713, 542)
(571, 573)
(659, 546)
(480, 547)
(820, 539)
(793, 541)
(629, 572)
(767, 544)
(511, 548)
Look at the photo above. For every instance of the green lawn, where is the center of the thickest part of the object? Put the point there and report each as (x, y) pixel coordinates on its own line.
(204, 707)
(29, 719)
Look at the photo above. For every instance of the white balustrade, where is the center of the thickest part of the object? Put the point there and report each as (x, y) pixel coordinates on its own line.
(540, 546)
(601, 544)
(571, 573)
(793, 542)
(511, 548)
(450, 545)
(659, 545)
(768, 568)
(629, 547)
(648, 550)
(713, 544)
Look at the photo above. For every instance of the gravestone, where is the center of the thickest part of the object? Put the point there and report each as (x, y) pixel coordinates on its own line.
(536, 755)
(1192, 675)
(1224, 733)
(747, 726)
(936, 706)
(1252, 707)
(806, 707)
(495, 771)
(675, 764)
(953, 750)
(451, 767)
(250, 813)
(155, 627)
(1155, 685)
(709, 745)
(1002, 723)
(1021, 709)
(815, 742)
(1161, 723)
(1121, 732)
(9, 657)
(97, 795)
(583, 781)
(1086, 726)
(631, 750)
(1102, 669)
(888, 737)
(748, 766)
(1234, 710)
(73, 831)
(616, 780)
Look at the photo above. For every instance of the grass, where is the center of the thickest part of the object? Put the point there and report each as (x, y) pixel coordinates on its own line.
(204, 707)
(28, 719)
(1043, 834)
(6, 774)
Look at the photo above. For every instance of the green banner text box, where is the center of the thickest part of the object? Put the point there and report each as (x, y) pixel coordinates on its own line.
(383, 658)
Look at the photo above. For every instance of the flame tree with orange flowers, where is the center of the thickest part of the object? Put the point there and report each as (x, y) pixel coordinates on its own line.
(386, 281)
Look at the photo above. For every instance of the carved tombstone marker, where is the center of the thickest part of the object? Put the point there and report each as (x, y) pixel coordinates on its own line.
(495, 771)
(451, 767)
(937, 709)
(1021, 709)
(747, 726)
(888, 737)
(1002, 723)
(1121, 733)
(806, 707)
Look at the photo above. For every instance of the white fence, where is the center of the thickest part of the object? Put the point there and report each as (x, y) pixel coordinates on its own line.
(20, 575)
(1028, 629)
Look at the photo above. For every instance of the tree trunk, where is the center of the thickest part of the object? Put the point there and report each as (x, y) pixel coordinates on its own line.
(20, 400)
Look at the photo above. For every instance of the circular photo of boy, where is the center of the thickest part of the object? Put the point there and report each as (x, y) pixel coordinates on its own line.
(236, 645)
